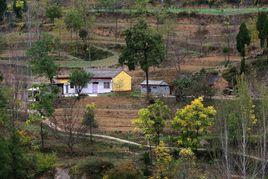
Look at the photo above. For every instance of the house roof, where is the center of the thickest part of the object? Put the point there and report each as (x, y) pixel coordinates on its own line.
(155, 82)
(97, 73)
(103, 73)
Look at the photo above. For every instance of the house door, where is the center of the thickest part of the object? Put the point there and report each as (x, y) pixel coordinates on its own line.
(95, 87)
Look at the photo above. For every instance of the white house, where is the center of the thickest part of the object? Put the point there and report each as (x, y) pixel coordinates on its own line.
(156, 87)
(103, 81)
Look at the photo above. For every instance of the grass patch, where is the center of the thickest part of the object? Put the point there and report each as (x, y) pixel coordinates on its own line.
(202, 11)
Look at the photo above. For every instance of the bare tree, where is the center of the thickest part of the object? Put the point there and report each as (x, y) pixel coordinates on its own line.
(177, 55)
(201, 35)
(69, 118)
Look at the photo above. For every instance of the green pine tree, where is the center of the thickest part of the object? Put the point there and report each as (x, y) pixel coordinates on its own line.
(3, 8)
(242, 39)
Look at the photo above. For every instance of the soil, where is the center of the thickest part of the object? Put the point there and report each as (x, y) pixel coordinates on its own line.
(112, 113)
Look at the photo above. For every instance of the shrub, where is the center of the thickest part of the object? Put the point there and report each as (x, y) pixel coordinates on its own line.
(44, 162)
(124, 171)
(195, 85)
(53, 12)
(92, 168)
(84, 51)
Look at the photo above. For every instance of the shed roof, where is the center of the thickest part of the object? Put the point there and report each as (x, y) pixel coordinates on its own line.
(155, 82)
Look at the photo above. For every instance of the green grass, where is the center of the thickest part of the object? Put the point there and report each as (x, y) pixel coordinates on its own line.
(207, 11)
(74, 62)
(78, 63)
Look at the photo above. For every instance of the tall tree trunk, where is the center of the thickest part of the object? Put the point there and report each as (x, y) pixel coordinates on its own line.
(244, 145)
(264, 140)
(90, 130)
(42, 136)
(226, 150)
(116, 27)
(147, 82)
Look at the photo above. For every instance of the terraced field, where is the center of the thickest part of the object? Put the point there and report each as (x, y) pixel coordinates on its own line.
(112, 113)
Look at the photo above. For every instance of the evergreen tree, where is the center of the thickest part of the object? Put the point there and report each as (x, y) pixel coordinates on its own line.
(262, 18)
(242, 39)
(3, 8)
(266, 31)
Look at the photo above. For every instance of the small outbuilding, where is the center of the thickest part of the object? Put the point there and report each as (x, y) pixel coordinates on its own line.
(156, 87)
(217, 82)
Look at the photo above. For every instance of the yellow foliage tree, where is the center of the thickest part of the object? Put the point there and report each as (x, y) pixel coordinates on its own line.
(193, 122)
(152, 120)
(163, 160)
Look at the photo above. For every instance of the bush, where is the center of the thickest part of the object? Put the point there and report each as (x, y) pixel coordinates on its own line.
(195, 85)
(124, 171)
(135, 94)
(92, 168)
(53, 12)
(44, 162)
(230, 75)
(2, 43)
(83, 52)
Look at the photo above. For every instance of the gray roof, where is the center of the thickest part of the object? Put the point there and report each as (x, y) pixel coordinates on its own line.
(155, 82)
(103, 73)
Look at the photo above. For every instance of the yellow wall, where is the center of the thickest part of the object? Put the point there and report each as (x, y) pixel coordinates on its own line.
(122, 82)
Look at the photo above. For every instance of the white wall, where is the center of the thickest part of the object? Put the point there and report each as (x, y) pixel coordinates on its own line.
(157, 90)
(89, 88)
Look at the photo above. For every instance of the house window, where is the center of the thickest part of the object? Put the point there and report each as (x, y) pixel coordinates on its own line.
(106, 85)
(71, 85)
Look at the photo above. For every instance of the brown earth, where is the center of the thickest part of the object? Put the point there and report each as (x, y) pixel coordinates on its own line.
(112, 113)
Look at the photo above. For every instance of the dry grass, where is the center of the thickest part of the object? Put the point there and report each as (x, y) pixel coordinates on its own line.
(112, 113)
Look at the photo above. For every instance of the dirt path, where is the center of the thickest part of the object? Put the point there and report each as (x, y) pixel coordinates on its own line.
(62, 173)
(53, 126)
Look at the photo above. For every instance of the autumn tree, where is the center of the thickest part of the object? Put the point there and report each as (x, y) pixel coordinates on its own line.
(163, 160)
(89, 119)
(42, 62)
(152, 120)
(192, 122)
(242, 39)
(3, 8)
(144, 48)
(263, 126)
(19, 6)
(80, 79)
(246, 121)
